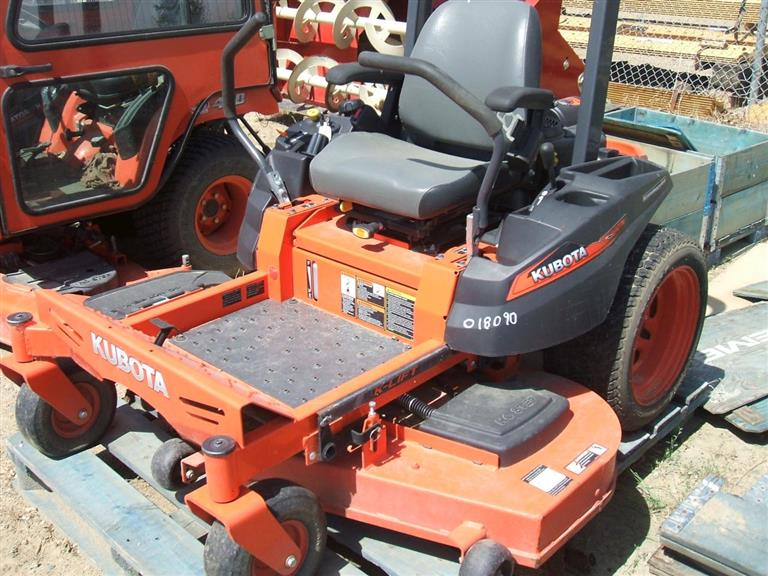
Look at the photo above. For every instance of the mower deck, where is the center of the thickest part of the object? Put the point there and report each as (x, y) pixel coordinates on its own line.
(56, 488)
(290, 350)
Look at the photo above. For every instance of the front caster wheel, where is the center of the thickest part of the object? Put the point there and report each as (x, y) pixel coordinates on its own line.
(487, 558)
(297, 509)
(53, 434)
(166, 463)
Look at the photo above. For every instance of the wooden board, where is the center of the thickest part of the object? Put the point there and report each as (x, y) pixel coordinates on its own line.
(722, 532)
(752, 418)
(100, 511)
(735, 344)
(661, 10)
(663, 99)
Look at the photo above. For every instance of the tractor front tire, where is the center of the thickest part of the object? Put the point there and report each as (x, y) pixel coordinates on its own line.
(53, 434)
(199, 210)
(297, 509)
(637, 358)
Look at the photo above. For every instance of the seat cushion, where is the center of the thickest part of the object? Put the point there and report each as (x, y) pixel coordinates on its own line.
(381, 172)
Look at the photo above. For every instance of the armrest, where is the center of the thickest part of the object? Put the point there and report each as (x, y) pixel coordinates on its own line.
(440, 80)
(346, 73)
(509, 98)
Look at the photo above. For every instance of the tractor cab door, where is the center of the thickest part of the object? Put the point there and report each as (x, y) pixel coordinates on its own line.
(94, 94)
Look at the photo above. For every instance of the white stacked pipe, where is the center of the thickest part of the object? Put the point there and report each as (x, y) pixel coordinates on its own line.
(302, 74)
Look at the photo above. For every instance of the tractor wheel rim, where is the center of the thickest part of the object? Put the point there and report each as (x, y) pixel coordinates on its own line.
(219, 212)
(665, 336)
(64, 428)
(300, 535)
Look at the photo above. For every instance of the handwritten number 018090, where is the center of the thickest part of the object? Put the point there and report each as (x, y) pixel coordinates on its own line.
(488, 322)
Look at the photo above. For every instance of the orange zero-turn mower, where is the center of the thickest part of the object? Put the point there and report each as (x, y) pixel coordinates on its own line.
(412, 270)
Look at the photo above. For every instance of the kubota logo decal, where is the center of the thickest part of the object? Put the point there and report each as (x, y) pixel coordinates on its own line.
(559, 264)
(565, 259)
(119, 358)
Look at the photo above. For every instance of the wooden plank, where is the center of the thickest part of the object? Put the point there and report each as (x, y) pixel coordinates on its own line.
(727, 534)
(667, 47)
(91, 544)
(649, 29)
(689, 224)
(734, 344)
(663, 99)
(132, 526)
(752, 418)
(396, 554)
(665, 563)
(711, 9)
(744, 168)
(741, 211)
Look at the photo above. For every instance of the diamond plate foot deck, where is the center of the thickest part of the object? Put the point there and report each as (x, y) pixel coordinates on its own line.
(290, 350)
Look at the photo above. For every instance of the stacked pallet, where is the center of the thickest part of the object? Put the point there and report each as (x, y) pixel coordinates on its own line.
(688, 57)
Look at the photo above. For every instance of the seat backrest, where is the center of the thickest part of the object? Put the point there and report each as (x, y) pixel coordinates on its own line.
(483, 45)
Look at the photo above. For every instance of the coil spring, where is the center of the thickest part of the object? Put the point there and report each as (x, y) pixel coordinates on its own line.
(415, 406)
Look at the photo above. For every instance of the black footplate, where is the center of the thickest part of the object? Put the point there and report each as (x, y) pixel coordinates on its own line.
(81, 273)
(497, 417)
(121, 302)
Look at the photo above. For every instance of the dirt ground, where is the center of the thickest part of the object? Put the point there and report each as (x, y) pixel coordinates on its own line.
(619, 541)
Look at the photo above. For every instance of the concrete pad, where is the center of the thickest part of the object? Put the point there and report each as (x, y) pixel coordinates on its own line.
(747, 268)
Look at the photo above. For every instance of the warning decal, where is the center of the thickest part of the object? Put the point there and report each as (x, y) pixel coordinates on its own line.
(378, 305)
(370, 314)
(400, 313)
(348, 295)
(583, 460)
(370, 292)
(547, 480)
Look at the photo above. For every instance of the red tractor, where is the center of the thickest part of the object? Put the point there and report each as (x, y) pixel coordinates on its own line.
(111, 107)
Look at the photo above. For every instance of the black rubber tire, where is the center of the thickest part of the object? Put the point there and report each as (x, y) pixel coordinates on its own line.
(34, 418)
(287, 501)
(165, 226)
(487, 558)
(600, 359)
(166, 463)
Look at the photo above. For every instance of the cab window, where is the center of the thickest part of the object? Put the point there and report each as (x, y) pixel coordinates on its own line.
(83, 140)
(46, 21)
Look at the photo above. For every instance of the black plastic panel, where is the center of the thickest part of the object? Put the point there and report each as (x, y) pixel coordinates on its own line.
(289, 350)
(496, 417)
(120, 302)
(81, 273)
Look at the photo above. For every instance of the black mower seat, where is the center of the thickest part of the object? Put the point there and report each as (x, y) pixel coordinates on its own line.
(483, 45)
(395, 176)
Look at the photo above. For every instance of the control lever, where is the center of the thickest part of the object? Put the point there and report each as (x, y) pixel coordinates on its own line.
(350, 107)
(549, 161)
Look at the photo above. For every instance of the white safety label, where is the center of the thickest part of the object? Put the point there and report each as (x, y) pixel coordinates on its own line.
(548, 480)
(583, 460)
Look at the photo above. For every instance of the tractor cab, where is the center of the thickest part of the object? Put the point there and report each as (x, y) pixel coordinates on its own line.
(102, 103)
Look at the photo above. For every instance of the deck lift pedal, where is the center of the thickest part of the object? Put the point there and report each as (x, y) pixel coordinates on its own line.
(371, 366)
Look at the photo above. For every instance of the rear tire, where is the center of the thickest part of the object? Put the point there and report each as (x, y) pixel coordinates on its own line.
(199, 210)
(637, 358)
(54, 435)
(293, 506)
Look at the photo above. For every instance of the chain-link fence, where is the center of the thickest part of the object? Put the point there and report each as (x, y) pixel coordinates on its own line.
(701, 58)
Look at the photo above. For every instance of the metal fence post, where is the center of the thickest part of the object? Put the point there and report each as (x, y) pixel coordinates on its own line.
(759, 61)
